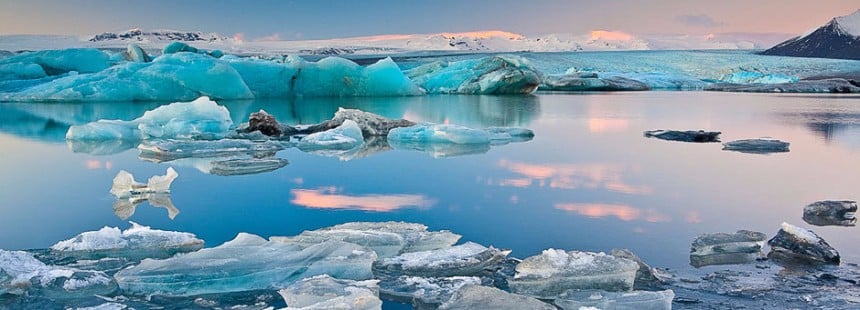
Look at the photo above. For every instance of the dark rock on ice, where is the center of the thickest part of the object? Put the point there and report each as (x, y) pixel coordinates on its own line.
(371, 124)
(266, 124)
(740, 247)
(802, 245)
(684, 136)
(831, 213)
(757, 146)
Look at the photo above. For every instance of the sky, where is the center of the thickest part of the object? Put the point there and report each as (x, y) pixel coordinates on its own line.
(321, 19)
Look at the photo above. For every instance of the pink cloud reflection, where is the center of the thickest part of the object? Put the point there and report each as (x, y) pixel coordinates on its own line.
(564, 176)
(329, 198)
(622, 212)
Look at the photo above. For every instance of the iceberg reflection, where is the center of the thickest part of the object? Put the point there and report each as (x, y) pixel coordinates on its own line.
(330, 198)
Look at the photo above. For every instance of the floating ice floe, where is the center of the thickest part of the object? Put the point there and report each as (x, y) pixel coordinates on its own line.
(387, 239)
(834, 85)
(831, 212)
(684, 136)
(169, 150)
(467, 259)
(136, 242)
(757, 146)
(589, 81)
(424, 135)
(424, 292)
(124, 185)
(243, 166)
(198, 119)
(506, 74)
(553, 271)
(800, 244)
(344, 137)
(593, 299)
(740, 247)
(21, 273)
(371, 124)
(482, 297)
(245, 263)
(324, 292)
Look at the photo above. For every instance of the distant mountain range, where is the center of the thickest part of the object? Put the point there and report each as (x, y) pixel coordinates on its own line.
(839, 38)
(477, 41)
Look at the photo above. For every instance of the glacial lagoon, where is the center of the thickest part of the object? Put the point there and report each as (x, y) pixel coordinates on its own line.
(587, 181)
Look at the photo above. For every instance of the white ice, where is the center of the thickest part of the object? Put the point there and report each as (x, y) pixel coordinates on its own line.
(554, 271)
(640, 300)
(324, 292)
(344, 137)
(110, 241)
(467, 259)
(25, 274)
(482, 297)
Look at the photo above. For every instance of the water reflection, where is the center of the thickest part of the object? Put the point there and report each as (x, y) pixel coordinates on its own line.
(622, 212)
(831, 125)
(124, 208)
(572, 176)
(332, 198)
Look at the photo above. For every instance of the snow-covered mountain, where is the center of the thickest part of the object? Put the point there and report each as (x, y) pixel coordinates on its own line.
(839, 38)
(476, 41)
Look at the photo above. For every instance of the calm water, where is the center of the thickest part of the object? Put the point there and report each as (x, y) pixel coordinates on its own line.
(587, 181)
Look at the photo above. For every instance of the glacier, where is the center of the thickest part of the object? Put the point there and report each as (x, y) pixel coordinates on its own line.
(264, 265)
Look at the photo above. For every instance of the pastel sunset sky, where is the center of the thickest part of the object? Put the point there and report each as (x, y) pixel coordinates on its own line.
(320, 19)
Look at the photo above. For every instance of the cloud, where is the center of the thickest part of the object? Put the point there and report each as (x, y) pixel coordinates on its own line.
(702, 20)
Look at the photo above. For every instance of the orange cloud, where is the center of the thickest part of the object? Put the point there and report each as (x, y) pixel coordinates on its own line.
(610, 35)
(622, 212)
(329, 198)
(591, 176)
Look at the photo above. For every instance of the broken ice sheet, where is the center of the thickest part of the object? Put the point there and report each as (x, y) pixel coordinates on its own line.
(245, 263)
(740, 247)
(325, 292)
(595, 299)
(387, 239)
(21, 273)
(462, 260)
(554, 271)
(425, 292)
(482, 297)
(135, 243)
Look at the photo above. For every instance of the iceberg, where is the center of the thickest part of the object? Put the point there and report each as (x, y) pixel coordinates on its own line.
(21, 273)
(647, 277)
(198, 119)
(506, 74)
(325, 292)
(39, 64)
(757, 146)
(802, 245)
(424, 292)
(181, 77)
(244, 166)
(371, 125)
(438, 133)
(684, 136)
(467, 259)
(347, 136)
(135, 243)
(169, 150)
(554, 271)
(387, 239)
(329, 77)
(639, 300)
(124, 185)
(245, 263)
(740, 247)
(136, 54)
(482, 297)
(831, 212)
(589, 81)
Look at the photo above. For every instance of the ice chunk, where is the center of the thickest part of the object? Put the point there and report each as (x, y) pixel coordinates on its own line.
(757, 146)
(830, 212)
(178, 47)
(578, 82)
(554, 271)
(243, 166)
(834, 85)
(25, 274)
(462, 260)
(424, 291)
(646, 277)
(265, 123)
(438, 133)
(168, 150)
(182, 76)
(504, 135)
(387, 239)
(198, 119)
(124, 185)
(325, 292)
(802, 245)
(723, 248)
(482, 297)
(55, 62)
(124, 208)
(136, 242)
(345, 137)
(136, 54)
(246, 263)
(638, 300)
(505, 74)
(329, 77)
(371, 124)
(684, 136)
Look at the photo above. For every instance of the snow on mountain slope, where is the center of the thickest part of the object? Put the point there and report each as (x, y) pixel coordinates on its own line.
(477, 41)
(839, 38)
(850, 23)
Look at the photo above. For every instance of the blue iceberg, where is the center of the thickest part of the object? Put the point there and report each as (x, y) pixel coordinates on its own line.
(53, 62)
(344, 137)
(506, 74)
(198, 119)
